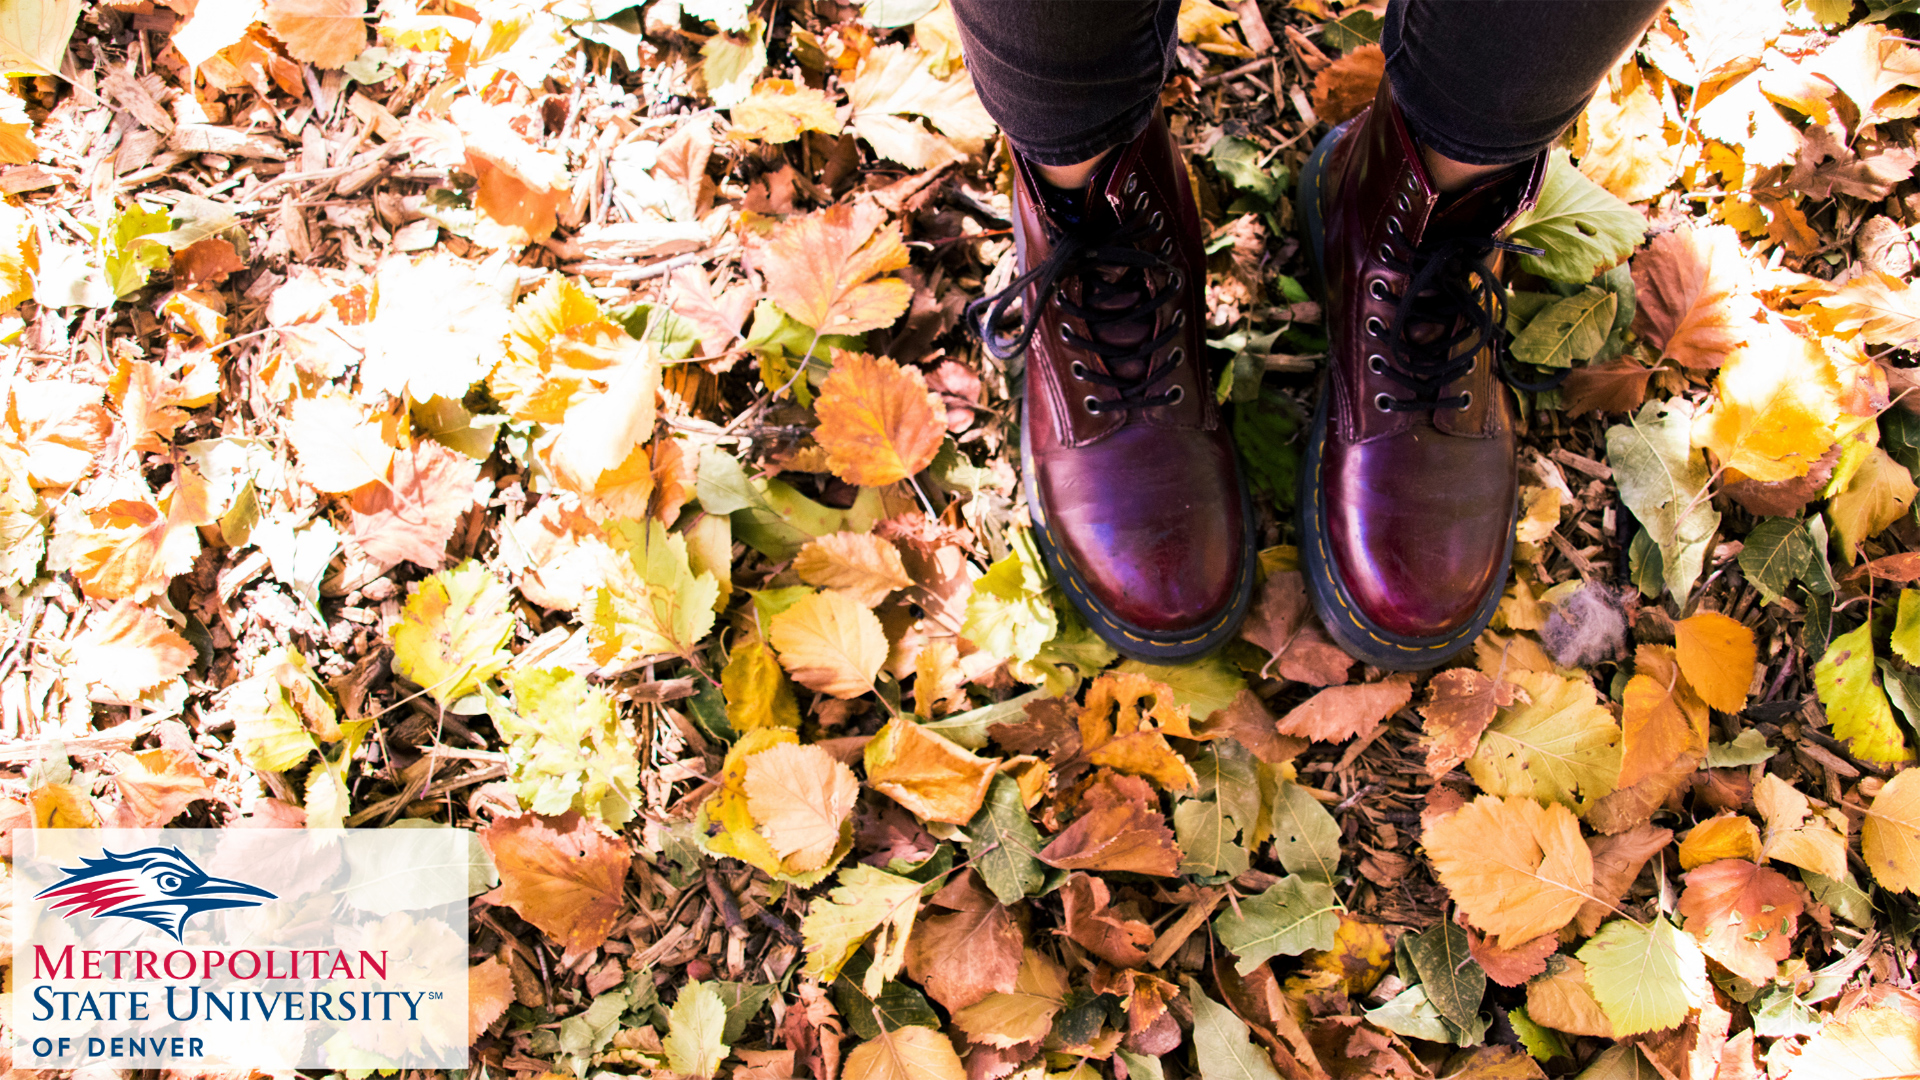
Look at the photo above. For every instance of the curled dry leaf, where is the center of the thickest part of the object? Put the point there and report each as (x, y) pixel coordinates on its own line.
(1114, 729)
(1460, 704)
(1117, 831)
(928, 773)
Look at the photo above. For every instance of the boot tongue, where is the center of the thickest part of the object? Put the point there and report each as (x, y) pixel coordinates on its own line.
(1126, 287)
(1481, 210)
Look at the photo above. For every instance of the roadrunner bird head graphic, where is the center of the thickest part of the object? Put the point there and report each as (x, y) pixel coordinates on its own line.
(157, 885)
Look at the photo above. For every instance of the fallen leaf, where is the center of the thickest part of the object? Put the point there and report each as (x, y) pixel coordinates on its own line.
(1879, 494)
(1115, 730)
(339, 445)
(928, 773)
(1617, 862)
(127, 650)
(567, 747)
(757, 692)
(1775, 406)
(800, 798)
(1617, 385)
(1724, 836)
(1460, 704)
(60, 426)
(824, 270)
(864, 903)
(1879, 1039)
(412, 517)
(778, 110)
(1117, 831)
(1090, 920)
(1557, 742)
(1348, 85)
(1854, 703)
(1743, 914)
(897, 79)
(862, 565)
(1661, 718)
(966, 956)
(1645, 977)
(1663, 480)
(564, 875)
(652, 601)
(453, 632)
(1717, 655)
(1563, 1000)
(1874, 307)
(906, 1053)
(1795, 834)
(153, 404)
(436, 330)
(830, 643)
(1694, 304)
(1281, 621)
(1293, 915)
(878, 422)
(133, 549)
(1339, 713)
(1516, 868)
(324, 33)
(157, 786)
(489, 992)
(1890, 834)
(1513, 967)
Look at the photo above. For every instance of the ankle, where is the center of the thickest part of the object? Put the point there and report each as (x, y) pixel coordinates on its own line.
(1450, 177)
(1072, 177)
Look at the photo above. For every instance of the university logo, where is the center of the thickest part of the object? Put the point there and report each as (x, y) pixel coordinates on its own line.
(159, 886)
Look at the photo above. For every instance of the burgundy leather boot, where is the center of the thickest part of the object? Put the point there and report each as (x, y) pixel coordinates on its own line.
(1409, 491)
(1138, 504)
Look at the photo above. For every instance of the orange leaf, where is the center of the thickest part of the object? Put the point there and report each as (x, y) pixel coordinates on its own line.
(823, 269)
(133, 549)
(325, 33)
(1693, 300)
(1617, 861)
(1617, 385)
(800, 797)
(1717, 655)
(1660, 719)
(1460, 705)
(1745, 916)
(862, 565)
(829, 643)
(153, 404)
(1517, 868)
(1511, 967)
(489, 992)
(1348, 84)
(1115, 732)
(60, 425)
(1338, 713)
(156, 785)
(564, 875)
(1281, 621)
(412, 518)
(211, 259)
(1119, 937)
(1117, 832)
(128, 650)
(878, 422)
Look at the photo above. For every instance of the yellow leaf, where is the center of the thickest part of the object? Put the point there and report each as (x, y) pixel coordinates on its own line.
(1876, 69)
(800, 798)
(1728, 836)
(1516, 868)
(1878, 495)
(865, 903)
(1717, 655)
(1794, 833)
(928, 773)
(756, 690)
(1775, 407)
(452, 635)
(1890, 835)
(436, 329)
(1023, 1015)
(34, 33)
(652, 601)
(829, 643)
(1115, 732)
(279, 711)
(1876, 307)
(864, 566)
(324, 33)
(895, 79)
(905, 1053)
(1625, 134)
(737, 834)
(778, 110)
(127, 650)
(19, 256)
(878, 422)
(1562, 1000)
(823, 269)
(339, 445)
(1205, 26)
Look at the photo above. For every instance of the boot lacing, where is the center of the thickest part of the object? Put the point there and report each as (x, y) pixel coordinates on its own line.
(1450, 288)
(1081, 254)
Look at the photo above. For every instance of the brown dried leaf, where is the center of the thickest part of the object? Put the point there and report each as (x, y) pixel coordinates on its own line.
(1118, 937)
(324, 33)
(1460, 704)
(1281, 621)
(1114, 729)
(1617, 385)
(962, 957)
(412, 518)
(156, 786)
(1692, 287)
(862, 565)
(489, 992)
(1338, 713)
(1117, 832)
(1511, 967)
(565, 875)
(1617, 861)
(1348, 84)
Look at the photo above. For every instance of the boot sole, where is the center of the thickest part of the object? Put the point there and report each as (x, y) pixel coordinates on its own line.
(1130, 641)
(1349, 627)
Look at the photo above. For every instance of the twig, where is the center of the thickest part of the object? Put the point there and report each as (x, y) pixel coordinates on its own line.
(1247, 68)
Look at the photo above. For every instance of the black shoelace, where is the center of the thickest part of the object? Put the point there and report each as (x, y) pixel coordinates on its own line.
(1450, 288)
(1129, 300)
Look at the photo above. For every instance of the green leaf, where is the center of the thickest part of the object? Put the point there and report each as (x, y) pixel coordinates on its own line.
(1778, 552)
(652, 602)
(1352, 30)
(1143, 1066)
(1239, 162)
(1543, 1043)
(1008, 613)
(1663, 480)
(1780, 1013)
(588, 1032)
(1855, 705)
(899, 1004)
(1203, 686)
(1747, 748)
(1206, 840)
(1843, 895)
(1563, 744)
(863, 903)
(1306, 839)
(567, 748)
(1294, 915)
(1227, 775)
(696, 1026)
(1454, 981)
(1646, 978)
(1906, 627)
(1583, 227)
(1267, 432)
(1412, 1013)
(1222, 1043)
(129, 257)
(452, 635)
(1569, 330)
(1003, 842)
(743, 1001)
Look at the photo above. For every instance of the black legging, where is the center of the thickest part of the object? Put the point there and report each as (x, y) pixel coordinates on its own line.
(1487, 82)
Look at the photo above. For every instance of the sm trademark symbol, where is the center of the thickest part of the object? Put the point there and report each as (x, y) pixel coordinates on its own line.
(434, 995)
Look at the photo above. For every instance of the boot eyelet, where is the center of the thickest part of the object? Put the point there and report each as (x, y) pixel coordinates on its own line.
(1176, 279)
(1466, 400)
(1377, 288)
(1140, 201)
(1066, 334)
(1403, 204)
(1376, 327)
(1157, 221)
(1377, 364)
(1177, 355)
(1383, 403)
(1133, 182)
(1180, 317)
(1091, 404)
(1177, 395)
(1385, 252)
(1394, 228)
(1079, 370)
(1166, 246)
